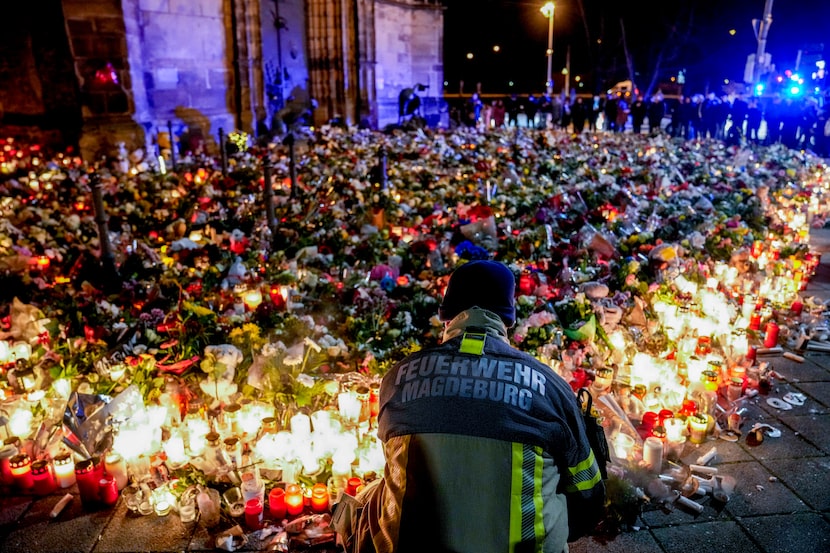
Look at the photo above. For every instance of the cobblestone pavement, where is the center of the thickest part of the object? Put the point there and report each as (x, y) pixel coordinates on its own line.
(781, 503)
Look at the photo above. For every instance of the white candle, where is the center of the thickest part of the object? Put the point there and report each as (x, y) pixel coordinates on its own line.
(64, 470)
(653, 453)
(117, 467)
(301, 425)
(349, 406)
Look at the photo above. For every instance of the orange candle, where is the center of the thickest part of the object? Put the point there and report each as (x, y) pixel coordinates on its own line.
(319, 498)
(293, 500)
(21, 470)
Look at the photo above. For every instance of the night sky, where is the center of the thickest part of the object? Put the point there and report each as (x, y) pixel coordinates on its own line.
(701, 42)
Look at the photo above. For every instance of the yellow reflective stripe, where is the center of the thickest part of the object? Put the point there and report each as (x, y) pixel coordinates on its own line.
(584, 485)
(538, 501)
(516, 495)
(473, 343)
(584, 465)
(585, 475)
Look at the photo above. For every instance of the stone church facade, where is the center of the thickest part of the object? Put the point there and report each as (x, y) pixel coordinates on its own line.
(100, 72)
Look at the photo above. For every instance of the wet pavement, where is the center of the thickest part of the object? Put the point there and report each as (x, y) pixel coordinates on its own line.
(781, 503)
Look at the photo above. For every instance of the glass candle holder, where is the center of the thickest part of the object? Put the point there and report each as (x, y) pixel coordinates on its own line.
(252, 487)
(133, 496)
(21, 470)
(108, 490)
(163, 501)
(319, 498)
(6, 453)
(253, 514)
(276, 504)
(294, 501)
(187, 505)
(64, 470)
(115, 465)
(697, 428)
(88, 474)
(653, 454)
(43, 479)
(234, 501)
(353, 484)
(623, 443)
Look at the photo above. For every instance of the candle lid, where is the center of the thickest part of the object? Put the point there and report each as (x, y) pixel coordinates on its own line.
(231, 442)
(233, 408)
(212, 438)
(87, 465)
(19, 460)
(63, 459)
(40, 466)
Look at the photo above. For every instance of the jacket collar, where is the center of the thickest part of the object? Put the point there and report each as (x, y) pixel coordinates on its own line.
(481, 320)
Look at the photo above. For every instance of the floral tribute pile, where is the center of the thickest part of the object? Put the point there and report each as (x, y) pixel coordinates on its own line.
(226, 349)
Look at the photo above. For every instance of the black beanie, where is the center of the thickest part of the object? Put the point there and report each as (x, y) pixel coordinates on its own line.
(489, 285)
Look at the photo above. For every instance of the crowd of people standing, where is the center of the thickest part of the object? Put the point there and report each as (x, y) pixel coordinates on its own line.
(796, 122)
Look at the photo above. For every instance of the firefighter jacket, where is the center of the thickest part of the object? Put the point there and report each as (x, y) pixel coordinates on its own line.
(485, 451)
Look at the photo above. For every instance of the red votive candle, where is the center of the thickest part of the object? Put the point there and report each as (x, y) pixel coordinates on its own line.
(88, 475)
(21, 470)
(44, 480)
(771, 336)
(108, 490)
(294, 501)
(276, 503)
(6, 453)
(352, 484)
(755, 321)
(796, 307)
(319, 498)
(253, 513)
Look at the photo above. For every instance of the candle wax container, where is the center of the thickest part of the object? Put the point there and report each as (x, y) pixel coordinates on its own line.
(44, 480)
(352, 485)
(276, 504)
(88, 474)
(117, 467)
(21, 470)
(622, 445)
(253, 514)
(319, 498)
(653, 454)
(6, 453)
(294, 501)
(108, 490)
(64, 470)
(697, 428)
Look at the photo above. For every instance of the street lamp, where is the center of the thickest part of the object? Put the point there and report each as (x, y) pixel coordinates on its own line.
(547, 11)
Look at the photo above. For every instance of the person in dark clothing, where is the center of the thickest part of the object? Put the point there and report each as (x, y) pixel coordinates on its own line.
(638, 115)
(449, 422)
(594, 109)
(773, 115)
(738, 113)
(511, 108)
(656, 111)
(610, 111)
(531, 108)
(722, 109)
(579, 115)
(790, 119)
(685, 111)
(754, 115)
(675, 111)
(709, 114)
